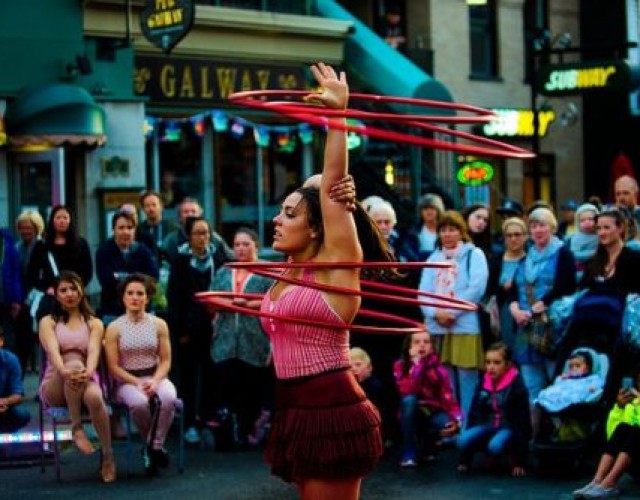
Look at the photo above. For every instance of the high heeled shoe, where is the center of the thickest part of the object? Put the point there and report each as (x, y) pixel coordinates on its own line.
(108, 468)
(81, 440)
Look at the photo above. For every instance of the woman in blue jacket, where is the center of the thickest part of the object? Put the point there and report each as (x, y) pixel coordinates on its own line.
(457, 333)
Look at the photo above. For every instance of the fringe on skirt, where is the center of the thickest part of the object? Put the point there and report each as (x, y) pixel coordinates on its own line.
(323, 428)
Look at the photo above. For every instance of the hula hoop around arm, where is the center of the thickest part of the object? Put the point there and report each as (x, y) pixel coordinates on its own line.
(216, 299)
(319, 115)
(443, 301)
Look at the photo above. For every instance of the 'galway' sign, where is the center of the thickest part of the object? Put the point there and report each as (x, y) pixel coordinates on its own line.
(165, 22)
(200, 82)
(576, 78)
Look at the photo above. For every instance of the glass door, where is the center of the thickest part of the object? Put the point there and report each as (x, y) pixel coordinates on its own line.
(38, 181)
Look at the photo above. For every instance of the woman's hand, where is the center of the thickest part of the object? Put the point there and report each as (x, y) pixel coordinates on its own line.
(344, 191)
(625, 396)
(444, 318)
(538, 307)
(149, 387)
(519, 316)
(335, 91)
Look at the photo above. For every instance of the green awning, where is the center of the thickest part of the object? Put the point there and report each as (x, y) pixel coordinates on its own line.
(55, 114)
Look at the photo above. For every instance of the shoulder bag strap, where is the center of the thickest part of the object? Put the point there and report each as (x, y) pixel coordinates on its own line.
(54, 266)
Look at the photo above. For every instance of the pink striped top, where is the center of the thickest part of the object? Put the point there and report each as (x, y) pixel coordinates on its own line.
(302, 350)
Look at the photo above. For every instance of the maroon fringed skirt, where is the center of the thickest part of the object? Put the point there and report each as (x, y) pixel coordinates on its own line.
(324, 428)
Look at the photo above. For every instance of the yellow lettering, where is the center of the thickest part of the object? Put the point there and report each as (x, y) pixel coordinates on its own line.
(263, 78)
(168, 80)
(246, 80)
(594, 77)
(287, 82)
(544, 119)
(226, 81)
(206, 92)
(525, 123)
(177, 16)
(186, 89)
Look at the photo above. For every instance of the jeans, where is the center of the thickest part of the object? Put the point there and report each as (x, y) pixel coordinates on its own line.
(537, 377)
(16, 417)
(416, 424)
(483, 437)
(464, 381)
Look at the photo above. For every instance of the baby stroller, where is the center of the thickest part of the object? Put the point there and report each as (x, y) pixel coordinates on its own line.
(596, 326)
(572, 434)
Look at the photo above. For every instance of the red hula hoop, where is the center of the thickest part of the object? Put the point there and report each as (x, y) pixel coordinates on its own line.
(338, 265)
(415, 327)
(444, 301)
(318, 115)
(412, 291)
(482, 115)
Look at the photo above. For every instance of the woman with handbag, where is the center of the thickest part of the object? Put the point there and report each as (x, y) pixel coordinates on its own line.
(502, 271)
(548, 273)
(61, 249)
(30, 227)
(457, 334)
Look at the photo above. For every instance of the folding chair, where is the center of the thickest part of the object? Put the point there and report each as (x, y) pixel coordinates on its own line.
(59, 415)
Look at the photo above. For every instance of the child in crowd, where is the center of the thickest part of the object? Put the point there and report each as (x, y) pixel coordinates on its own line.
(498, 421)
(622, 450)
(584, 242)
(578, 384)
(362, 370)
(427, 400)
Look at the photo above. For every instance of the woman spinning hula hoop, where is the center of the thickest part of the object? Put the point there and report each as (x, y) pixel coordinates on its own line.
(325, 436)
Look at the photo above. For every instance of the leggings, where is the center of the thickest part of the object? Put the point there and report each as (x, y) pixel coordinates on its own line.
(625, 439)
(138, 405)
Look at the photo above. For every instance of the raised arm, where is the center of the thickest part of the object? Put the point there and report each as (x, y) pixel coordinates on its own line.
(340, 236)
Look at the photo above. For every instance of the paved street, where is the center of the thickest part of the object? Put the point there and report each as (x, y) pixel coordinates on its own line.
(243, 475)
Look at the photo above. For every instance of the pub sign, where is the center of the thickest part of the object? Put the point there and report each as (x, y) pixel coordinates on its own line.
(165, 22)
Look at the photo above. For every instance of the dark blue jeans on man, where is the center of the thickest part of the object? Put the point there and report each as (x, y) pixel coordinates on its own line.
(16, 417)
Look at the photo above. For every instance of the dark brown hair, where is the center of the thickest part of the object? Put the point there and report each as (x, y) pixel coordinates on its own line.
(146, 281)
(453, 219)
(374, 246)
(58, 313)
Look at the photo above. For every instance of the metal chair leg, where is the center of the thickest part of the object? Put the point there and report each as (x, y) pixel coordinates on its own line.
(42, 440)
(130, 452)
(181, 442)
(56, 449)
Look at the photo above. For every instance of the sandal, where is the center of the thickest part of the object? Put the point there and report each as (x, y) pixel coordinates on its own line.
(108, 468)
(81, 440)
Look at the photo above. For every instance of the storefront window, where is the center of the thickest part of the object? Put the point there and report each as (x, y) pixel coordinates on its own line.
(179, 154)
(252, 180)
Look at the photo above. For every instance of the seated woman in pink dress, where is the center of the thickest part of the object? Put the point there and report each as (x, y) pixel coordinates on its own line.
(138, 354)
(72, 338)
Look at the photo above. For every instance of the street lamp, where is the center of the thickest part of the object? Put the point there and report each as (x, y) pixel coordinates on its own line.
(542, 44)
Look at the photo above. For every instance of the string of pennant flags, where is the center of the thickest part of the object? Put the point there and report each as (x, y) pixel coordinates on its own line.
(285, 137)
